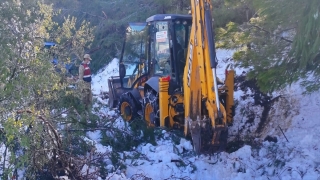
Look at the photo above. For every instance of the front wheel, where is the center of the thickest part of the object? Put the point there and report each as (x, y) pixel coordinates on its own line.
(150, 109)
(127, 107)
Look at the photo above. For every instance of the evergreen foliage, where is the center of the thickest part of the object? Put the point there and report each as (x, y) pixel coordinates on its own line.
(111, 19)
(225, 11)
(31, 90)
(124, 139)
(279, 44)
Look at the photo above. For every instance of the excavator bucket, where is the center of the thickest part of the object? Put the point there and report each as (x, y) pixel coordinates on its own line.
(207, 140)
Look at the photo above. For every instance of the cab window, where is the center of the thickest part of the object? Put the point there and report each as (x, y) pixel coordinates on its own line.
(162, 49)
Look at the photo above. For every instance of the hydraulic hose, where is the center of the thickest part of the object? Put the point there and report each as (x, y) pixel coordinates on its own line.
(212, 53)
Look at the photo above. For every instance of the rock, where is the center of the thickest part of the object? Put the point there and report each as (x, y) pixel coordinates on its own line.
(271, 139)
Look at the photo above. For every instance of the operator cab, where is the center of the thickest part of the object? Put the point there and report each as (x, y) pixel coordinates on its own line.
(133, 63)
(151, 50)
(169, 38)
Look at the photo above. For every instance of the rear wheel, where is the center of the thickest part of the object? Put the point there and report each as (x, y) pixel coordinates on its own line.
(127, 107)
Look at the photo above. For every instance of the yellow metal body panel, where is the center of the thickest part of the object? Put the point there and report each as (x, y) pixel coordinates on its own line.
(229, 84)
(163, 100)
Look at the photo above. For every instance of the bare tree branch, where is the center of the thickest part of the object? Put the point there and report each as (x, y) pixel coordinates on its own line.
(282, 38)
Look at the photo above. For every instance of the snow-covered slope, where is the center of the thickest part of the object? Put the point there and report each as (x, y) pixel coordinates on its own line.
(100, 80)
(279, 137)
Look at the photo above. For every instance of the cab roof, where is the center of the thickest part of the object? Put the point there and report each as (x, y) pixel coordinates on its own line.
(158, 17)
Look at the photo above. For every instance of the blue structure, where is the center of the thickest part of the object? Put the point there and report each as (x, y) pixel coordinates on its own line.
(55, 61)
(49, 44)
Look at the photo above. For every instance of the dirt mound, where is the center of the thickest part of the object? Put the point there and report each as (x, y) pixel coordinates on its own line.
(258, 115)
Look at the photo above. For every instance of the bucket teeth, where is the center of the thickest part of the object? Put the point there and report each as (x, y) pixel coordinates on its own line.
(195, 129)
(204, 137)
(196, 136)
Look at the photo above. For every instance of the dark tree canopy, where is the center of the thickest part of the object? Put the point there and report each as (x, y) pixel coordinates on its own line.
(279, 42)
(111, 19)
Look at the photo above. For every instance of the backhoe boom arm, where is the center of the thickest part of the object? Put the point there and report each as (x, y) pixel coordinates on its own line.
(203, 109)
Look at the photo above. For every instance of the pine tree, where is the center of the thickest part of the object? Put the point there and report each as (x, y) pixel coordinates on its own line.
(280, 42)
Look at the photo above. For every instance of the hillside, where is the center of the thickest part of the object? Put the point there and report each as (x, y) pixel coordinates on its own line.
(273, 137)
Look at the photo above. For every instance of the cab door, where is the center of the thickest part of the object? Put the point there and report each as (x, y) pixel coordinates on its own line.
(133, 63)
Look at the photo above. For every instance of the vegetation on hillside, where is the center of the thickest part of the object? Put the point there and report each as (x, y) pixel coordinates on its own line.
(277, 41)
(111, 19)
(32, 91)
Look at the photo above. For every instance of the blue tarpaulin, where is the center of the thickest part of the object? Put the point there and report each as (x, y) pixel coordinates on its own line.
(55, 61)
(67, 66)
(49, 44)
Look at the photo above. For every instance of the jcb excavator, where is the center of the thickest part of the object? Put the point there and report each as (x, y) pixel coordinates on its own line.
(180, 88)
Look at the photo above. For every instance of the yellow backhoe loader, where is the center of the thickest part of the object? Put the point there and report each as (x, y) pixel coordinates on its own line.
(181, 89)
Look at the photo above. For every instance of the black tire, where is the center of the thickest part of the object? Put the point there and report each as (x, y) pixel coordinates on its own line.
(149, 108)
(127, 107)
(146, 105)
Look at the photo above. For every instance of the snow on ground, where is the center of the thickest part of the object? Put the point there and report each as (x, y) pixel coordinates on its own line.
(100, 80)
(295, 154)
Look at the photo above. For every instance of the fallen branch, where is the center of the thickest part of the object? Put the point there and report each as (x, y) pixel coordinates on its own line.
(62, 112)
(262, 29)
(283, 134)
